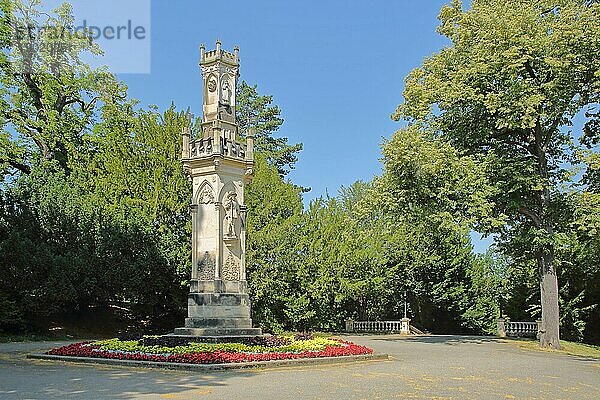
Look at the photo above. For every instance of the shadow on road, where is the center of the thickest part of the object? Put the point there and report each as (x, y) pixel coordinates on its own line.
(22, 378)
(442, 339)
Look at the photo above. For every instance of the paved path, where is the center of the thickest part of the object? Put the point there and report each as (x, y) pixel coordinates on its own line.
(428, 367)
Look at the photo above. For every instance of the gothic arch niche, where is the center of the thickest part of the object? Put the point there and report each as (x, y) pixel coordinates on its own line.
(206, 228)
(226, 110)
(231, 220)
(227, 90)
(205, 194)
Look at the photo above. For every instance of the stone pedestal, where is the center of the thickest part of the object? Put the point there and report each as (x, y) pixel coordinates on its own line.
(218, 314)
(349, 325)
(405, 326)
(218, 165)
(501, 327)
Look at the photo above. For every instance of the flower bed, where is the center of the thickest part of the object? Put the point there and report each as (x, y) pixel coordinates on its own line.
(261, 349)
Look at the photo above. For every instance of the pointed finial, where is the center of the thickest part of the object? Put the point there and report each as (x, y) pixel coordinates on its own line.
(218, 46)
(202, 49)
(185, 149)
(236, 51)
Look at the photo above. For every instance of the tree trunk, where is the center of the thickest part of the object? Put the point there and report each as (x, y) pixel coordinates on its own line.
(549, 335)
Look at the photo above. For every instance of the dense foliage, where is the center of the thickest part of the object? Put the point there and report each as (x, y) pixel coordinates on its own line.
(94, 202)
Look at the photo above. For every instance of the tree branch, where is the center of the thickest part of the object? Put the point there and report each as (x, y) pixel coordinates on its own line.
(534, 76)
(64, 101)
(26, 169)
(530, 71)
(36, 94)
(31, 131)
(551, 130)
(531, 215)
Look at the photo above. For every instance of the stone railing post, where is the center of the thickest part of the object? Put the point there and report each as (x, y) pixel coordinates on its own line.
(349, 325)
(501, 327)
(216, 127)
(405, 326)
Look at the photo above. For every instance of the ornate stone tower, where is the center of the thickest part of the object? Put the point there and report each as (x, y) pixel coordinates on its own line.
(218, 165)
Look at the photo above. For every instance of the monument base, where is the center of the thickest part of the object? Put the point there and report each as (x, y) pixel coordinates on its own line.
(218, 314)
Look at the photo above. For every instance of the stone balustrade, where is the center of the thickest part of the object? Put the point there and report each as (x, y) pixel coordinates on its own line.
(230, 148)
(507, 328)
(402, 326)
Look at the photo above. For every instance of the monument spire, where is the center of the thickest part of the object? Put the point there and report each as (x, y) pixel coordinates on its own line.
(219, 165)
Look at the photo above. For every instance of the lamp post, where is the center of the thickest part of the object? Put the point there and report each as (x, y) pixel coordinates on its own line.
(405, 322)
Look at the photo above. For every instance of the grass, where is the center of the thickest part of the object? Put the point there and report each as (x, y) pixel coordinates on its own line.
(572, 348)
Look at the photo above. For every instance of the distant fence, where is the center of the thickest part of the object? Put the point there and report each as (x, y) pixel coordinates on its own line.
(403, 326)
(376, 326)
(519, 328)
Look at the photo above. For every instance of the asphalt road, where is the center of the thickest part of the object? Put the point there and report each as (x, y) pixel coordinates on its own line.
(427, 367)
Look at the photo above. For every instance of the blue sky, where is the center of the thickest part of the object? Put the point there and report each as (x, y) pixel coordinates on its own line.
(335, 68)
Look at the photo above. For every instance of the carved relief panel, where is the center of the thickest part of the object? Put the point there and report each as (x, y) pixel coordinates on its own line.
(232, 215)
(226, 90)
(205, 230)
(206, 195)
(231, 267)
(211, 94)
(206, 267)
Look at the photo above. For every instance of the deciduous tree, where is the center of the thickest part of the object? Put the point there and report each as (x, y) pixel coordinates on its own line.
(504, 91)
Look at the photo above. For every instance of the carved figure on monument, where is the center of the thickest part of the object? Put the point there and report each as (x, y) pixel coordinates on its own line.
(226, 91)
(225, 101)
(232, 213)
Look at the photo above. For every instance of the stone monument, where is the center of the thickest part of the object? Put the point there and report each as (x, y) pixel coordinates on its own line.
(219, 164)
